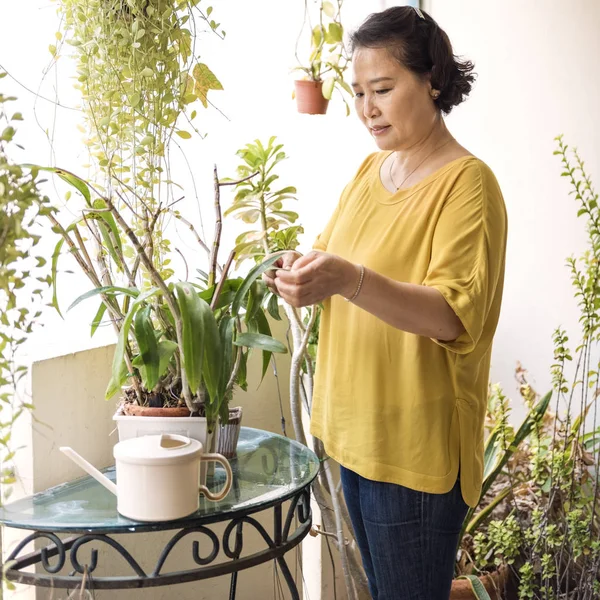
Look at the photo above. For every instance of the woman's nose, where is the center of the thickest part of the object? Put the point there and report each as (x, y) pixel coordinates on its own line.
(370, 109)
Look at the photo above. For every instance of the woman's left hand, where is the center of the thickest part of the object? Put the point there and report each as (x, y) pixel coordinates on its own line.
(315, 277)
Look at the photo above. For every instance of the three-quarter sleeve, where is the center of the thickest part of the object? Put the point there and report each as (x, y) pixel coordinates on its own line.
(467, 254)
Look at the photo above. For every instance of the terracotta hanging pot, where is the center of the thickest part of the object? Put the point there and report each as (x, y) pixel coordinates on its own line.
(309, 97)
(494, 583)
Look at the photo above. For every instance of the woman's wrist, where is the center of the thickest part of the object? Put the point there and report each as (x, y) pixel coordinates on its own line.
(352, 281)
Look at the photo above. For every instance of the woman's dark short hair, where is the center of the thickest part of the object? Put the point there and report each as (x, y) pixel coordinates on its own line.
(421, 46)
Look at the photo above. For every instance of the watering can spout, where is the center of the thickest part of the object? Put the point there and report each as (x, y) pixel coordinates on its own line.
(90, 469)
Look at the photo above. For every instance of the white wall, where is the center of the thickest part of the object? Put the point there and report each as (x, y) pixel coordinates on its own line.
(538, 77)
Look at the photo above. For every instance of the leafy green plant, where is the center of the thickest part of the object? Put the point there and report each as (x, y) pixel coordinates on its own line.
(547, 528)
(179, 342)
(328, 59)
(21, 204)
(255, 202)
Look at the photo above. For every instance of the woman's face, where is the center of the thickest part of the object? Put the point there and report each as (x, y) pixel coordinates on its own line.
(394, 104)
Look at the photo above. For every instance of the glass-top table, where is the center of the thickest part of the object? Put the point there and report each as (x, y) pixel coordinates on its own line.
(268, 471)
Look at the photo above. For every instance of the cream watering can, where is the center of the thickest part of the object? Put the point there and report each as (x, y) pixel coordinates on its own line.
(157, 476)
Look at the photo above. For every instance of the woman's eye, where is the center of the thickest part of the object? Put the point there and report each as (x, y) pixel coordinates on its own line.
(358, 95)
(383, 91)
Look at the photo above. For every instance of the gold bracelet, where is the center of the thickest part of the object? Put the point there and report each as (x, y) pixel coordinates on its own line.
(359, 286)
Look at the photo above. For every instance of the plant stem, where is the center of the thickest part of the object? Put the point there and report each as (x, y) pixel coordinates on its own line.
(159, 282)
(222, 281)
(218, 225)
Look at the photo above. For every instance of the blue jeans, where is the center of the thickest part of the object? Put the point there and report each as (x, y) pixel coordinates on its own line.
(407, 539)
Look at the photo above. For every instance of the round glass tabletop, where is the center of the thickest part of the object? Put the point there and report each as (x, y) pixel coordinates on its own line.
(268, 469)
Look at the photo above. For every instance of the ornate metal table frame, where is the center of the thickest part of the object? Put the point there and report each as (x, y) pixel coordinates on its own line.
(281, 542)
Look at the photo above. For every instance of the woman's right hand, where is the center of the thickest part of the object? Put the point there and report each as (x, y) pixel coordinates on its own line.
(285, 261)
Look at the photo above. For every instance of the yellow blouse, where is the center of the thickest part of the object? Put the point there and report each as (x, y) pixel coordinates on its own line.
(394, 406)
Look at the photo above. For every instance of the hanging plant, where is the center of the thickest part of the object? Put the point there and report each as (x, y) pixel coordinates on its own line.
(327, 62)
(137, 74)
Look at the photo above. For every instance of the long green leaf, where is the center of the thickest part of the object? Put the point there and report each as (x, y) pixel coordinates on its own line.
(252, 276)
(262, 325)
(166, 349)
(119, 355)
(111, 224)
(273, 307)
(258, 340)
(477, 587)
(533, 417)
(190, 307)
(145, 336)
(114, 385)
(484, 513)
(107, 289)
(98, 318)
(55, 257)
(213, 356)
(490, 456)
(226, 327)
(256, 295)
(79, 184)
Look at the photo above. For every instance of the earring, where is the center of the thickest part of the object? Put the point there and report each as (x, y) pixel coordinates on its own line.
(435, 94)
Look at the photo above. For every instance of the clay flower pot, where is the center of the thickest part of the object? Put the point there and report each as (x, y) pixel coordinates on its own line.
(134, 410)
(494, 584)
(309, 97)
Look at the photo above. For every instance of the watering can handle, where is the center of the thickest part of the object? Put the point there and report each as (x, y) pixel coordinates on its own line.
(214, 496)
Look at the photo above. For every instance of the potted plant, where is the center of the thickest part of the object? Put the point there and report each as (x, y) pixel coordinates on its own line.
(539, 522)
(182, 345)
(260, 203)
(327, 62)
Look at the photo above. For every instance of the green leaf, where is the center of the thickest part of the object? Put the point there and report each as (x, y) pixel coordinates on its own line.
(107, 220)
(205, 80)
(145, 336)
(192, 307)
(98, 318)
(255, 297)
(490, 456)
(252, 276)
(107, 289)
(114, 385)
(263, 327)
(186, 135)
(166, 349)
(55, 257)
(328, 9)
(317, 36)
(263, 342)
(336, 33)
(226, 327)
(79, 184)
(118, 358)
(328, 87)
(477, 587)
(273, 307)
(213, 355)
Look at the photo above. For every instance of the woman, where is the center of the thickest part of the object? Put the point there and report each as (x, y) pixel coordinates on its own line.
(410, 271)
